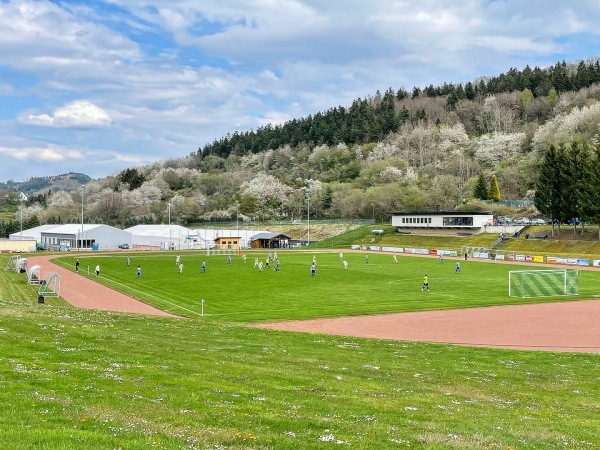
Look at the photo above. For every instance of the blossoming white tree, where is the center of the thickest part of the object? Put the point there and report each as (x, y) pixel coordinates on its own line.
(268, 192)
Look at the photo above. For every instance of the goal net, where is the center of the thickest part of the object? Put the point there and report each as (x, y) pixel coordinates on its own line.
(543, 283)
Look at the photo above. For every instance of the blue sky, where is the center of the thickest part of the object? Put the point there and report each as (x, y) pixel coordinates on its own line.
(99, 86)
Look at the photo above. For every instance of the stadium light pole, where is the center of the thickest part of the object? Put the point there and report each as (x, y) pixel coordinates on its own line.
(308, 214)
(169, 209)
(22, 197)
(237, 217)
(81, 237)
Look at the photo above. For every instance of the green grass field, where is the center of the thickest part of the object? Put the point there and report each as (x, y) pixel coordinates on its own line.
(83, 379)
(240, 293)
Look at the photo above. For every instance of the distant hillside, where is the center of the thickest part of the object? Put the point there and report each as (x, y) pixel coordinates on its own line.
(37, 185)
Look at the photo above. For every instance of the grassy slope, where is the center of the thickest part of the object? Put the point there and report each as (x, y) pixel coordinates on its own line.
(568, 243)
(81, 379)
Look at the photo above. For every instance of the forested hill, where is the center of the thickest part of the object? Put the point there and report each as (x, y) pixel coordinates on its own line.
(372, 119)
(68, 181)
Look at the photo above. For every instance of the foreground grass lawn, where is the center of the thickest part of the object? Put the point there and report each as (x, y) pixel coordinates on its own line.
(239, 292)
(81, 379)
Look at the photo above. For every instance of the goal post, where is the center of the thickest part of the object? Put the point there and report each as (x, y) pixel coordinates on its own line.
(543, 283)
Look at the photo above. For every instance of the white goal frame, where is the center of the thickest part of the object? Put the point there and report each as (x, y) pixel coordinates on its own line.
(566, 274)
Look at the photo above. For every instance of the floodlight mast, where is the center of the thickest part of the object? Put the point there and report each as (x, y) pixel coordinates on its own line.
(308, 214)
(237, 217)
(22, 198)
(81, 237)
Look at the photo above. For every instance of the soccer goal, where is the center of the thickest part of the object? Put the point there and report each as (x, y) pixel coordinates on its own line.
(543, 283)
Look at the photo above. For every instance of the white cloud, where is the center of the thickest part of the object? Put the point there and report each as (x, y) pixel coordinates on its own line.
(161, 78)
(51, 153)
(80, 113)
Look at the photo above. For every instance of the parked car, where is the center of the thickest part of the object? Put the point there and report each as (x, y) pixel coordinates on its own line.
(538, 221)
(124, 246)
(574, 221)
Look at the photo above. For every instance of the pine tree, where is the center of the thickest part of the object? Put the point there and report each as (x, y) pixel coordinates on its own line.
(549, 186)
(494, 192)
(481, 190)
(592, 191)
(575, 185)
(590, 198)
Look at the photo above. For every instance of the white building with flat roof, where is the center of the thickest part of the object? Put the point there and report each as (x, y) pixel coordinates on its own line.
(466, 221)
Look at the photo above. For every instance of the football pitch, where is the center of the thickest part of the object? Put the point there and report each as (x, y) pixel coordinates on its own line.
(239, 292)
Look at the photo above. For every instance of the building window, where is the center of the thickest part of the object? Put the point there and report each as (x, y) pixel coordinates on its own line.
(430, 220)
(458, 221)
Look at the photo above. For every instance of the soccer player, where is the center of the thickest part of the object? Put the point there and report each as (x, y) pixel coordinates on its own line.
(313, 269)
(395, 259)
(180, 267)
(139, 271)
(425, 283)
(457, 267)
(255, 263)
(97, 270)
(260, 266)
(177, 260)
(128, 261)
(345, 265)
(367, 259)
(228, 259)
(77, 266)
(244, 258)
(203, 267)
(441, 258)
(341, 255)
(276, 265)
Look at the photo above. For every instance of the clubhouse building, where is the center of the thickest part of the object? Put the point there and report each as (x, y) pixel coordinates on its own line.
(461, 222)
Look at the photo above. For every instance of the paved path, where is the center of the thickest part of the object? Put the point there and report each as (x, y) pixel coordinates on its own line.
(82, 292)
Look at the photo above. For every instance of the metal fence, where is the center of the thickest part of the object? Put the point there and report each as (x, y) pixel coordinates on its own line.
(512, 203)
(258, 224)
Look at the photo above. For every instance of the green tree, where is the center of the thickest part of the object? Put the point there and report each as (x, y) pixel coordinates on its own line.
(452, 101)
(132, 177)
(494, 192)
(525, 100)
(576, 181)
(552, 98)
(591, 197)
(549, 185)
(481, 190)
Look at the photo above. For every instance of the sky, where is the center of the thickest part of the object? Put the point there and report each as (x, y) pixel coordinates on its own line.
(100, 86)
